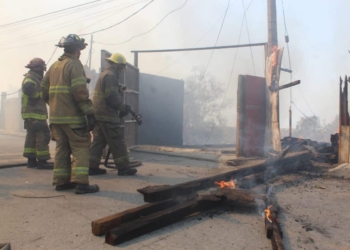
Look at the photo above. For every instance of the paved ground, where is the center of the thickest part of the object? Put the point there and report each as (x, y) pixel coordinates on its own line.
(314, 210)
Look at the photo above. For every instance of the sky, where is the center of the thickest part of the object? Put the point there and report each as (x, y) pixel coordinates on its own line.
(317, 29)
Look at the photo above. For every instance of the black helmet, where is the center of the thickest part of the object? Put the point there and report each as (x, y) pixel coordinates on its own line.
(72, 40)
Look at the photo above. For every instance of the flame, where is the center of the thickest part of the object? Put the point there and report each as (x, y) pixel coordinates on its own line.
(229, 184)
(268, 213)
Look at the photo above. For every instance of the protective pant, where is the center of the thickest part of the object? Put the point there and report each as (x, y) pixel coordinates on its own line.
(71, 141)
(37, 139)
(112, 134)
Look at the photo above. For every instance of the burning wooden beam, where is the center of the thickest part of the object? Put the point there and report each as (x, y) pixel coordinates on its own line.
(128, 229)
(159, 193)
(273, 229)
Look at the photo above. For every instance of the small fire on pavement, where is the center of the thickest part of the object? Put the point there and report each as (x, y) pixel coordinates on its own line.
(228, 184)
(268, 213)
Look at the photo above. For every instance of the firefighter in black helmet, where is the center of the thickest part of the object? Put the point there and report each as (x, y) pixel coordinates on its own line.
(71, 116)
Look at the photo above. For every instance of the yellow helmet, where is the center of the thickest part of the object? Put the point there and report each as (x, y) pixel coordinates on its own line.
(117, 58)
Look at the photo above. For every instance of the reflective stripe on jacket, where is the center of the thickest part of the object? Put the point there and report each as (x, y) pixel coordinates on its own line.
(33, 106)
(64, 89)
(107, 100)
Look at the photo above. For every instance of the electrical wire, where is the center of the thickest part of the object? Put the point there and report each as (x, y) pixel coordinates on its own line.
(50, 13)
(46, 64)
(228, 83)
(290, 65)
(51, 56)
(130, 5)
(55, 17)
(176, 60)
(183, 5)
(212, 51)
(251, 50)
(125, 19)
(303, 112)
(66, 24)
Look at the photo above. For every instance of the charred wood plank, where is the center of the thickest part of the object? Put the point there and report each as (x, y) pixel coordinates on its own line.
(101, 226)
(140, 226)
(156, 220)
(158, 193)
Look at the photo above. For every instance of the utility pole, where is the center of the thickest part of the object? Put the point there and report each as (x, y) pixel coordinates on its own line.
(272, 25)
(90, 52)
(272, 76)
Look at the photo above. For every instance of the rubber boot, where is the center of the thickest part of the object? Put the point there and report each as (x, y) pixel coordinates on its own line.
(65, 186)
(43, 164)
(86, 188)
(32, 163)
(127, 171)
(97, 171)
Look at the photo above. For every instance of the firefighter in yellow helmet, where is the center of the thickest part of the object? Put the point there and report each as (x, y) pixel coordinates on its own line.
(71, 116)
(109, 108)
(34, 114)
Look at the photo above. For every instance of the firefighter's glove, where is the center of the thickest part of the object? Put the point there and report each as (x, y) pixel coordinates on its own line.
(91, 121)
(124, 111)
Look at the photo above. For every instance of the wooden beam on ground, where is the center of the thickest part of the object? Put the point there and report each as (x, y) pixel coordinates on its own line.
(159, 193)
(101, 226)
(154, 221)
(162, 218)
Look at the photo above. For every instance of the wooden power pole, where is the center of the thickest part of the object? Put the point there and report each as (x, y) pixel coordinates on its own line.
(272, 25)
(272, 75)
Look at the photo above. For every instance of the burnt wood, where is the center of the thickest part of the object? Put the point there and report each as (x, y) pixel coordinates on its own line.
(152, 222)
(159, 193)
(101, 226)
(140, 226)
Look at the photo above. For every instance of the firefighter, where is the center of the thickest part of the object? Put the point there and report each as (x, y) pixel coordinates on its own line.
(34, 114)
(109, 108)
(71, 117)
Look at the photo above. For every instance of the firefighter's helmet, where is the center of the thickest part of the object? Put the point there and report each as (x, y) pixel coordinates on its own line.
(36, 64)
(72, 40)
(117, 59)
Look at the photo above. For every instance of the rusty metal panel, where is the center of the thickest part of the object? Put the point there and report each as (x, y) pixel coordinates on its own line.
(251, 106)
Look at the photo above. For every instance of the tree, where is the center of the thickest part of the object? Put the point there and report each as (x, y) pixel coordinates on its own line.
(309, 128)
(202, 105)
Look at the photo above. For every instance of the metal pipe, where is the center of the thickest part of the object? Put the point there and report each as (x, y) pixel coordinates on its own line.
(201, 48)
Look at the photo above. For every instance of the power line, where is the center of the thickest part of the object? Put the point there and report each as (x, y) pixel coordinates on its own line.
(61, 25)
(212, 52)
(50, 13)
(176, 60)
(51, 56)
(303, 112)
(251, 50)
(290, 65)
(228, 83)
(54, 17)
(119, 10)
(118, 22)
(149, 29)
(46, 64)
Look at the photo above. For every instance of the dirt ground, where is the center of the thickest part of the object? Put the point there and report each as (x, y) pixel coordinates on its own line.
(314, 209)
